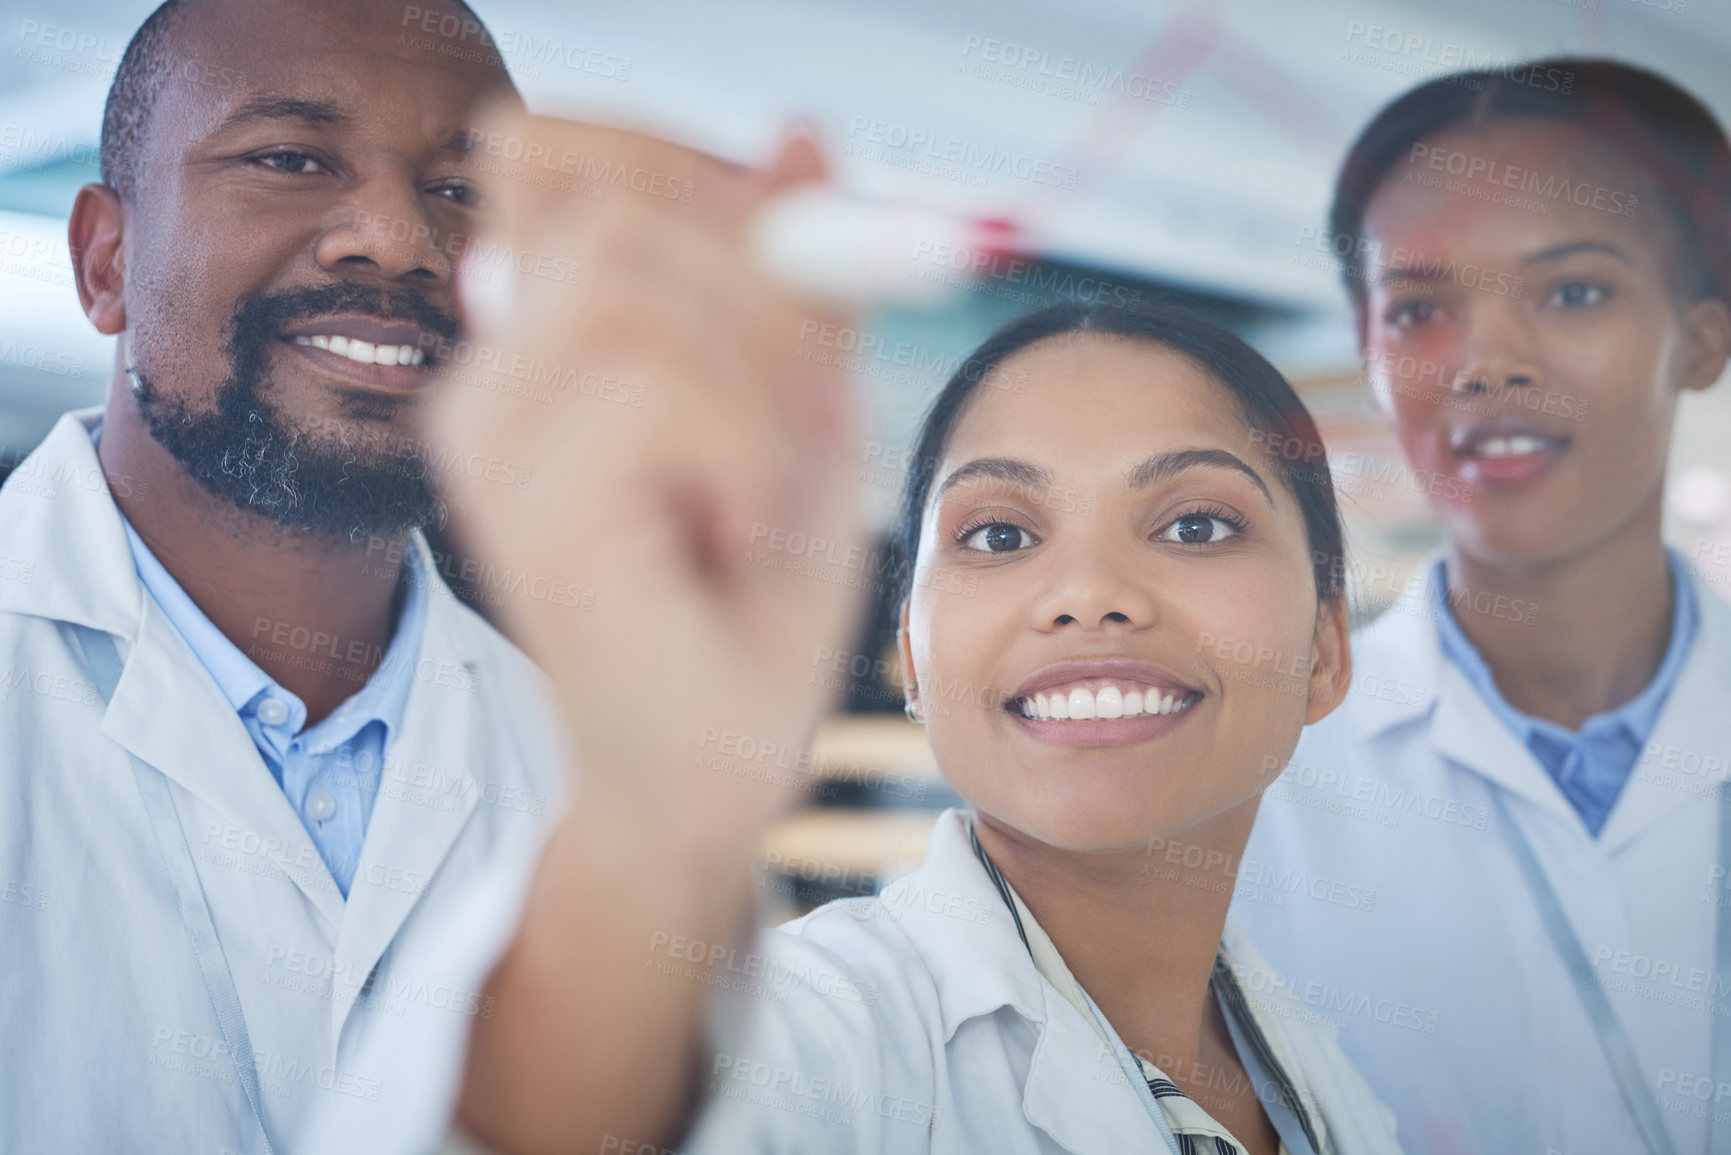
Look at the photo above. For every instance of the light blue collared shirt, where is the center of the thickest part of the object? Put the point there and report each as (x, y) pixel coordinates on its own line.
(1590, 765)
(330, 771)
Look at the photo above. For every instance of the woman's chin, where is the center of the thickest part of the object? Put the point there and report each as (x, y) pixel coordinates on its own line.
(1106, 828)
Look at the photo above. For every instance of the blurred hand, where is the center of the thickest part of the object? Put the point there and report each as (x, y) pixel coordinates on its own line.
(689, 634)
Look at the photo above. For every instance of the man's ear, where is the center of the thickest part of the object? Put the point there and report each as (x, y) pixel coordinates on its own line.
(1707, 324)
(904, 650)
(96, 236)
(1330, 660)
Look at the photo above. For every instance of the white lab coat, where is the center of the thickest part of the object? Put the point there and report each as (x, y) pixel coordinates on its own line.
(916, 1021)
(1378, 884)
(912, 1022)
(109, 1039)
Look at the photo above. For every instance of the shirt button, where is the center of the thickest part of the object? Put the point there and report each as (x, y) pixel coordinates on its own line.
(273, 712)
(320, 805)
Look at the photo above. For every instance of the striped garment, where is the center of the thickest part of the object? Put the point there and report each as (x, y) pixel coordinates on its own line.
(1195, 1129)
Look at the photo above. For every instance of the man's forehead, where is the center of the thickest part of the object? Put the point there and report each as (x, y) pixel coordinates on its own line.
(348, 54)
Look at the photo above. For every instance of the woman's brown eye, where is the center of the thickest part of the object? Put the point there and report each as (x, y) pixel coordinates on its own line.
(999, 537)
(1198, 529)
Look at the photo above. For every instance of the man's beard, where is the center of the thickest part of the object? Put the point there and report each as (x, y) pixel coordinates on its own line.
(347, 483)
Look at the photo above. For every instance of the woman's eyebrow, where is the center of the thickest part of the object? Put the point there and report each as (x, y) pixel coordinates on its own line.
(1165, 465)
(1005, 469)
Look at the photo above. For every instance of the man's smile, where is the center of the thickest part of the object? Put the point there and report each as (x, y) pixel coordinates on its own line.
(381, 354)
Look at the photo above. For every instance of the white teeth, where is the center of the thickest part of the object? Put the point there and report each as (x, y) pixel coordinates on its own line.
(1082, 704)
(365, 352)
(1509, 446)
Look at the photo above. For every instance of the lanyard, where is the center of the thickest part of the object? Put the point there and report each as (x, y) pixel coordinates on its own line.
(1133, 1072)
(1247, 1041)
(1282, 1105)
(103, 662)
(1619, 1053)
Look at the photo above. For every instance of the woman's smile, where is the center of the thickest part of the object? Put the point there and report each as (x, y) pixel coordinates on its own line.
(1101, 702)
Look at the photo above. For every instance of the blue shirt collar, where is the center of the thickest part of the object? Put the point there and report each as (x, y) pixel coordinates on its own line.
(1636, 717)
(383, 698)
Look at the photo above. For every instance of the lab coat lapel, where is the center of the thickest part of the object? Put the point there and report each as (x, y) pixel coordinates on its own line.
(1685, 759)
(66, 554)
(1076, 1091)
(168, 711)
(1463, 728)
(432, 780)
(958, 921)
(165, 708)
(1466, 731)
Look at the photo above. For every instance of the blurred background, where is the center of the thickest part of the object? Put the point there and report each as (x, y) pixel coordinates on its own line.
(1146, 148)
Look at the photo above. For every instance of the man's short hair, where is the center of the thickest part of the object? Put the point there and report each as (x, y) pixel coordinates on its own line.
(132, 97)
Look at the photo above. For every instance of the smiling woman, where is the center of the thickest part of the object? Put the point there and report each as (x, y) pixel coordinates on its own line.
(1060, 974)
(1541, 274)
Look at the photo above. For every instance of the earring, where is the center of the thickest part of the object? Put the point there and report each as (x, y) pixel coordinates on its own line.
(911, 704)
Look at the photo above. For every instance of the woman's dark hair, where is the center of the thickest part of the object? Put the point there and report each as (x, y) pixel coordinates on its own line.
(1277, 419)
(1668, 135)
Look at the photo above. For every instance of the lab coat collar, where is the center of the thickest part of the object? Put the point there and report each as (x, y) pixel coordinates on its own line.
(958, 922)
(57, 504)
(434, 775)
(1401, 677)
(1683, 760)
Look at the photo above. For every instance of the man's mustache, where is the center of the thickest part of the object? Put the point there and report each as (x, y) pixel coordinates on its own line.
(262, 316)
